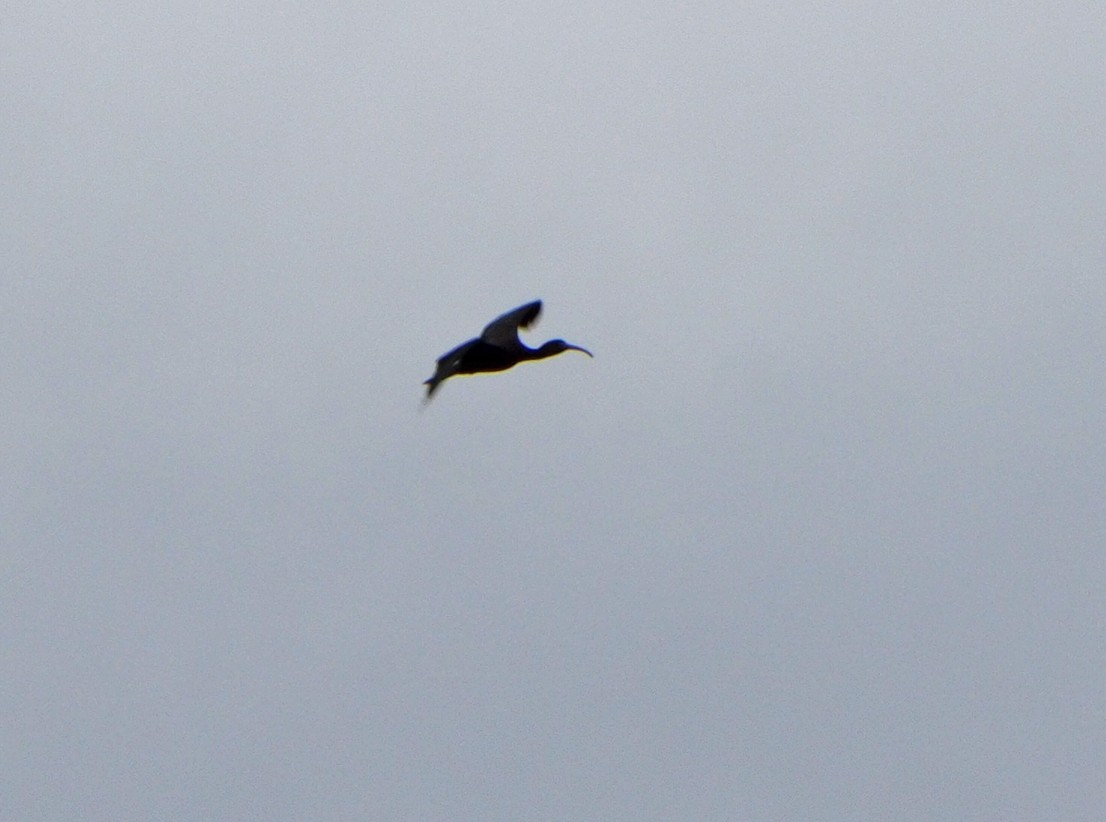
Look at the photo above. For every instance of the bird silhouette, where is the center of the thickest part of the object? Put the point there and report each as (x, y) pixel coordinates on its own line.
(497, 348)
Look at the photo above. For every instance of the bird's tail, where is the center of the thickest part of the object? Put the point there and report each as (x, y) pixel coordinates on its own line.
(431, 386)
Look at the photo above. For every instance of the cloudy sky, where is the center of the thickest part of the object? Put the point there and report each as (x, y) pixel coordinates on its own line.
(818, 534)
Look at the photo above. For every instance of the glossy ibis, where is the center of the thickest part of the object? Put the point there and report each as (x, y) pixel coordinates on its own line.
(497, 348)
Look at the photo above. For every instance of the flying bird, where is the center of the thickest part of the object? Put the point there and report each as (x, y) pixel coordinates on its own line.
(497, 348)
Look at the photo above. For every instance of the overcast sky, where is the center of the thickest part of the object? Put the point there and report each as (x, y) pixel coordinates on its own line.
(817, 535)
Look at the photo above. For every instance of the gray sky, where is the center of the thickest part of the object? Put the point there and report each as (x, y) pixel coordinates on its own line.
(817, 535)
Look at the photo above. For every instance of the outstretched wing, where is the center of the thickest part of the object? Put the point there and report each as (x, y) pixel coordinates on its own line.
(448, 364)
(503, 330)
(451, 359)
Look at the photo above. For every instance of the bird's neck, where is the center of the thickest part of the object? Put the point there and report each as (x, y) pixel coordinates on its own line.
(543, 351)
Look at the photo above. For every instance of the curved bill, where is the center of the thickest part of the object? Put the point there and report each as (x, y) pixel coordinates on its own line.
(578, 348)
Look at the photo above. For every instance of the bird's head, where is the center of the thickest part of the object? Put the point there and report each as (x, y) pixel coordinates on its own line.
(558, 346)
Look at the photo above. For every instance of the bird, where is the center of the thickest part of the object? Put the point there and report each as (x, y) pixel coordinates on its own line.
(497, 348)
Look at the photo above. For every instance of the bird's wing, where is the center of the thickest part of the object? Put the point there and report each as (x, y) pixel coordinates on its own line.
(450, 359)
(503, 330)
(448, 364)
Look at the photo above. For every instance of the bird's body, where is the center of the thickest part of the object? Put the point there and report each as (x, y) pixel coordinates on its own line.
(497, 348)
